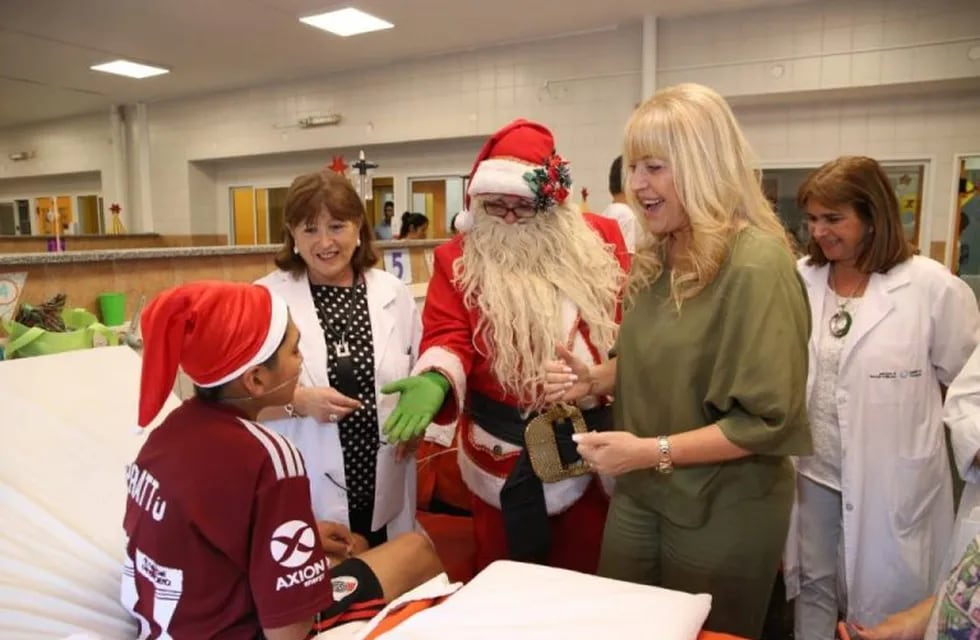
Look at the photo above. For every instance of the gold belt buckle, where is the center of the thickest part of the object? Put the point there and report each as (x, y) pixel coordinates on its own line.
(539, 439)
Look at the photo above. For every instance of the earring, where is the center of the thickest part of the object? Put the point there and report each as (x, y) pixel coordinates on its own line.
(358, 242)
(295, 250)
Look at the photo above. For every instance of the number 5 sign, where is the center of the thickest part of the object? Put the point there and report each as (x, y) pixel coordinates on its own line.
(397, 263)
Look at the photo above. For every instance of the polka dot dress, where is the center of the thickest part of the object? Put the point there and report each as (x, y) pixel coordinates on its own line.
(358, 431)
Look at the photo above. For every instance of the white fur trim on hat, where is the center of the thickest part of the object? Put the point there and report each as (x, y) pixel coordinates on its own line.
(501, 175)
(464, 221)
(278, 323)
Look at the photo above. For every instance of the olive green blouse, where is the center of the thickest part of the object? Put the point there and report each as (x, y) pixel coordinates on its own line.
(735, 355)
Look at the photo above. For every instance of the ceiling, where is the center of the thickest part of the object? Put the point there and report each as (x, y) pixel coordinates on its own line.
(47, 46)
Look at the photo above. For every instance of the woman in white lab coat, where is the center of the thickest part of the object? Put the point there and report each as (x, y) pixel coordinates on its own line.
(360, 328)
(874, 501)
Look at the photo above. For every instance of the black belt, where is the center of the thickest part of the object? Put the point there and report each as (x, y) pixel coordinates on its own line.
(522, 500)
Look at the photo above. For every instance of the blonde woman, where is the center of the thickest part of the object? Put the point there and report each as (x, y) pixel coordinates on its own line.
(711, 369)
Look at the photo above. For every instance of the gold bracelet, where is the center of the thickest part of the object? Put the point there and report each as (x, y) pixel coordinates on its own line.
(665, 464)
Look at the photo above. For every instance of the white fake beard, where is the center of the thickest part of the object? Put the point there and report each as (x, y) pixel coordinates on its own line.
(518, 275)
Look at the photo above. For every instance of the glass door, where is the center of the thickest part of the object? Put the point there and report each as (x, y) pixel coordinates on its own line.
(8, 219)
(48, 218)
(276, 207)
(23, 217)
(382, 191)
(257, 215)
(439, 198)
(966, 246)
(90, 215)
(243, 215)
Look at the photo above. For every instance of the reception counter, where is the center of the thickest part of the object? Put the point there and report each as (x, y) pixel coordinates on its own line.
(103, 242)
(83, 275)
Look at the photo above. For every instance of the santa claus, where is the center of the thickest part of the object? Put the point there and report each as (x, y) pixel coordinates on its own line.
(528, 275)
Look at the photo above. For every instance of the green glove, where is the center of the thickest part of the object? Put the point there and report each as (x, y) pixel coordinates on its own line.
(421, 398)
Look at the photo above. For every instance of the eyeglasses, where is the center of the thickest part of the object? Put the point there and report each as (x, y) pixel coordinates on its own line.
(500, 210)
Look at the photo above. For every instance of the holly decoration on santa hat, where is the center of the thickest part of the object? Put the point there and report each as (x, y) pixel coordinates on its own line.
(549, 182)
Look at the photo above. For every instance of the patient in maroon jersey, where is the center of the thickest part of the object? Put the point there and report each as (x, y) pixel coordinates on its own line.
(222, 542)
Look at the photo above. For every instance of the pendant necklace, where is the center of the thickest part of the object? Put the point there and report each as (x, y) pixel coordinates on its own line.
(343, 366)
(841, 321)
(340, 345)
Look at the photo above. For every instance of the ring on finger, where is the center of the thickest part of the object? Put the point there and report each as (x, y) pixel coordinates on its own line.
(333, 417)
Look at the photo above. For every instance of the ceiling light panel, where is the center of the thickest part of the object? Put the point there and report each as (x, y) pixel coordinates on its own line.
(347, 22)
(130, 69)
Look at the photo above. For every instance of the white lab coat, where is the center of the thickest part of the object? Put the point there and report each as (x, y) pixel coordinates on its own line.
(914, 329)
(396, 328)
(962, 416)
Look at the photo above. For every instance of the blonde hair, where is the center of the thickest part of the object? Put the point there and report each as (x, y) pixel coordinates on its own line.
(693, 130)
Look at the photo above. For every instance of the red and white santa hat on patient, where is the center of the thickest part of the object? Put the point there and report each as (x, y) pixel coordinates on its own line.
(214, 330)
(518, 160)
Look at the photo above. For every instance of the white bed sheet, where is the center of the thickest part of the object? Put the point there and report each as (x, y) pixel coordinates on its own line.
(524, 601)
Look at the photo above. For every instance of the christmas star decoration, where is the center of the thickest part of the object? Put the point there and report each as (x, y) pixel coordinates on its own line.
(338, 165)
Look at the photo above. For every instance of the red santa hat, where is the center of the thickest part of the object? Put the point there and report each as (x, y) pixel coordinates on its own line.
(215, 331)
(518, 160)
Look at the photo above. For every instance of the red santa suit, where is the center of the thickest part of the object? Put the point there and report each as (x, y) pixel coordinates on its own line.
(576, 507)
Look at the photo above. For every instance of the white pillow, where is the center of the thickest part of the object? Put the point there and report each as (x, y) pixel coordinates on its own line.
(524, 601)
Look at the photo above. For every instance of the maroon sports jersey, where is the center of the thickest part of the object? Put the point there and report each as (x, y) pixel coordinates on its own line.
(222, 540)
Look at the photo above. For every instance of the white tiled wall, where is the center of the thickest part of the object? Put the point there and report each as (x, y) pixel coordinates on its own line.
(86, 183)
(72, 145)
(81, 145)
(822, 45)
(927, 127)
(582, 88)
(834, 56)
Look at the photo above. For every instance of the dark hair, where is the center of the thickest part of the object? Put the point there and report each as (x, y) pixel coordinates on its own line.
(616, 176)
(411, 222)
(861, 183)
(389, 203)
(217, 394)
(308, 196)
